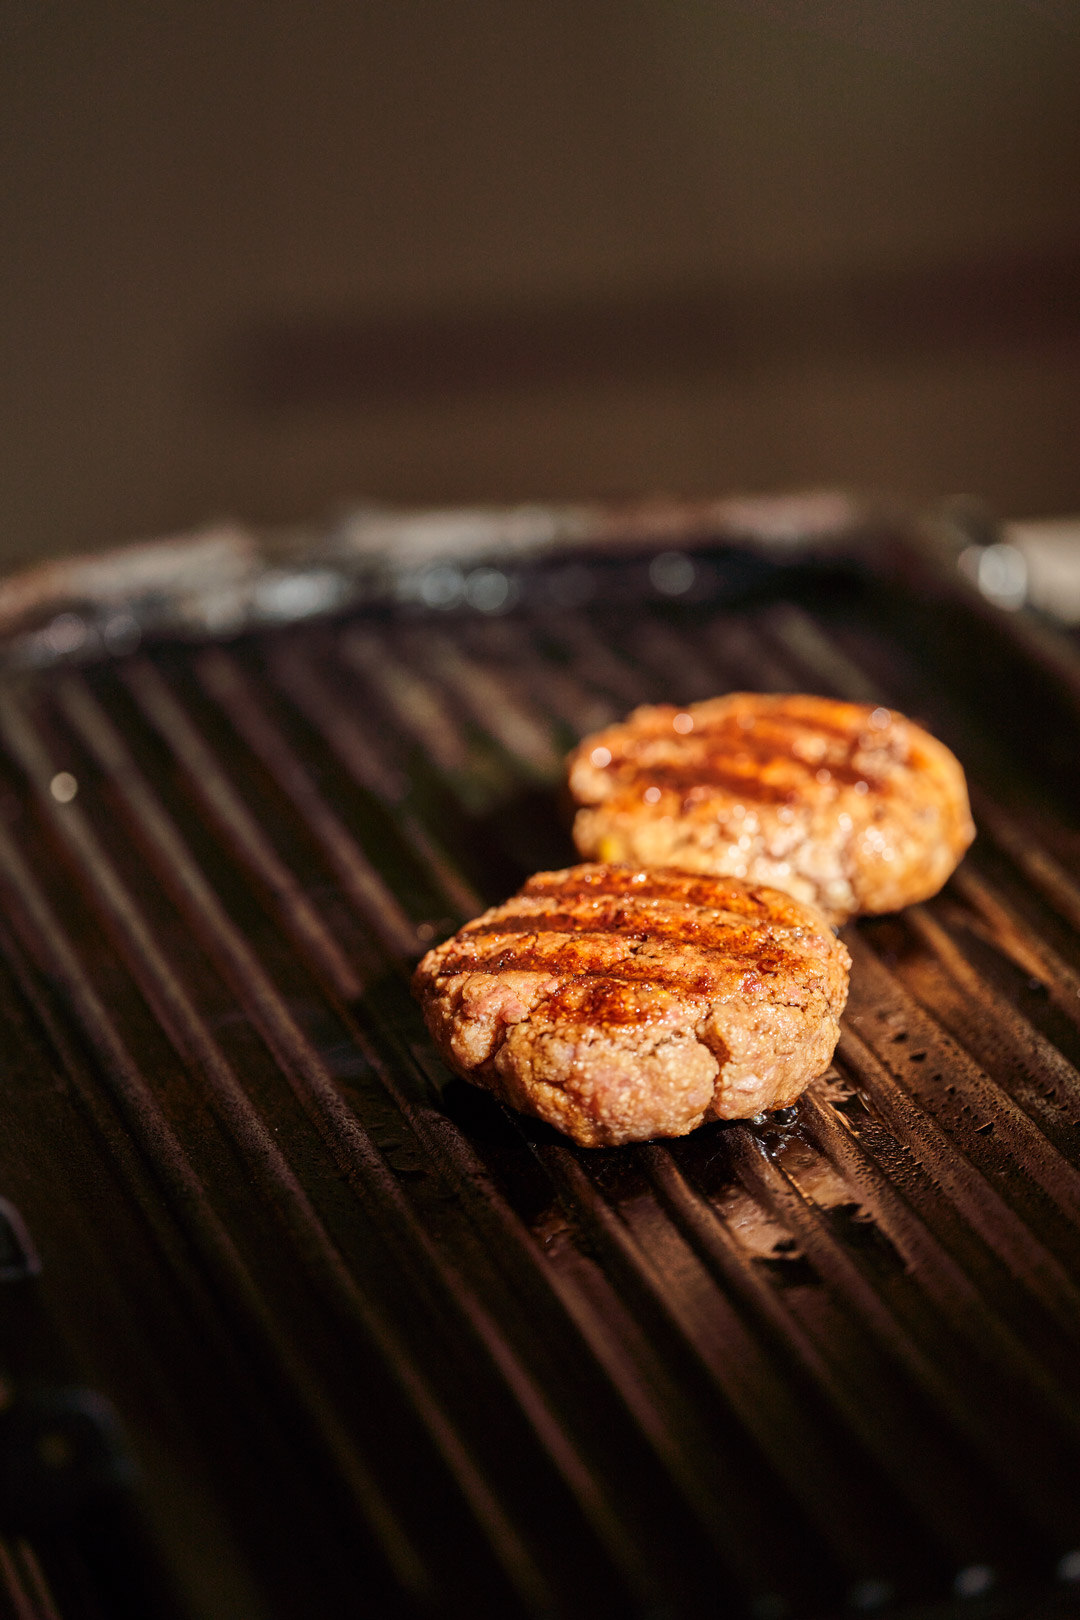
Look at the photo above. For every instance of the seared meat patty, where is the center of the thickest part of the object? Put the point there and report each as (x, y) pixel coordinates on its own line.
(620, 1004)
(850, 807)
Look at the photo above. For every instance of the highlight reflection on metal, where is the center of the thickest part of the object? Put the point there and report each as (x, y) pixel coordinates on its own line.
(1000, 573)
(441, 1355)
(224, 579)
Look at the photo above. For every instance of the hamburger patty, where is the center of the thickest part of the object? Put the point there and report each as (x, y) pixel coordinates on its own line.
(850, 807)
(619, 1004)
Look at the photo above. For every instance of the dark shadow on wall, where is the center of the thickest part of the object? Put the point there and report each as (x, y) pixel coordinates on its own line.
(1001, 303)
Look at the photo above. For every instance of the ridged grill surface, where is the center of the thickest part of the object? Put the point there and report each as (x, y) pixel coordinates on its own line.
(384, 1347)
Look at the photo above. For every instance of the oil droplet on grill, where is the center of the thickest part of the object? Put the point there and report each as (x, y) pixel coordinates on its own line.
(63, 787)
(1069, 1567)
(974, 1580)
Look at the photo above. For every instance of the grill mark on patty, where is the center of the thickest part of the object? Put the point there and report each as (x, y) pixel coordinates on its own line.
(559, 956)
(781, 714)
(712, 938)
(714, 894)
(564, 956)
(834, 715)
(680, 779)
(717, 765)
(601, 1000)
(711, 772)
(661, 933)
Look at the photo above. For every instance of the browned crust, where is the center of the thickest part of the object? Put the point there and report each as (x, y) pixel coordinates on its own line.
(848, 806)
(620, 1004)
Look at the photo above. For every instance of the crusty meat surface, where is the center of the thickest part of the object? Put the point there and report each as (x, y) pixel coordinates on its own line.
(852, 808)
(619, 1004)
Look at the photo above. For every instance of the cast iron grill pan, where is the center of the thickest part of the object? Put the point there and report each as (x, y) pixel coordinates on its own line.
(383, 1347)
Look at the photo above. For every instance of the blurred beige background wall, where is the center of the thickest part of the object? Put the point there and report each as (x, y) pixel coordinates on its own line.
(263, 258)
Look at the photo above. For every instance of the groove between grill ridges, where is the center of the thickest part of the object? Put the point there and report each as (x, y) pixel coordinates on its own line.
(973, 1311)
(315, 699)
(1034, 1141)
(881, 1007)
(257, 859)
(1024, 1476)
(114, 756)
(583, 1197)
(699, 1221)
(808, 1473)
(185, 1194)
(346, 1138)
(24, 1582)
(277, 755)
(1030, 1048)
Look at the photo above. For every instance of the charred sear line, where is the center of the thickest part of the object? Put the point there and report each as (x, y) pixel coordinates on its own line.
(600, 1001)
(711, 939)
(728, 756)
(709, 773)
(561, 959)
(564, 956)
(781, 713)
(752, 782)
(613, 882)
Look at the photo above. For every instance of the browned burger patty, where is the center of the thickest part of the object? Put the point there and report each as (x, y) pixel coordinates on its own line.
(620, 1004)
(850, 807)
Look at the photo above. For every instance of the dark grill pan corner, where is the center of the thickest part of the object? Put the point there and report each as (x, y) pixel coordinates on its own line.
(349, 1337)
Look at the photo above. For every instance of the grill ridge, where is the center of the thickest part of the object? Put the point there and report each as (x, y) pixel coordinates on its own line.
(789, 1366)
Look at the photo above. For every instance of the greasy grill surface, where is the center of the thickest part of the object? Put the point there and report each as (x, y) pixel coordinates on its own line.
(382, 1346)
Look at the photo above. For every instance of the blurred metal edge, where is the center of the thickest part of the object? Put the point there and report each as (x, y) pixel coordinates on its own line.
(225, 577)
